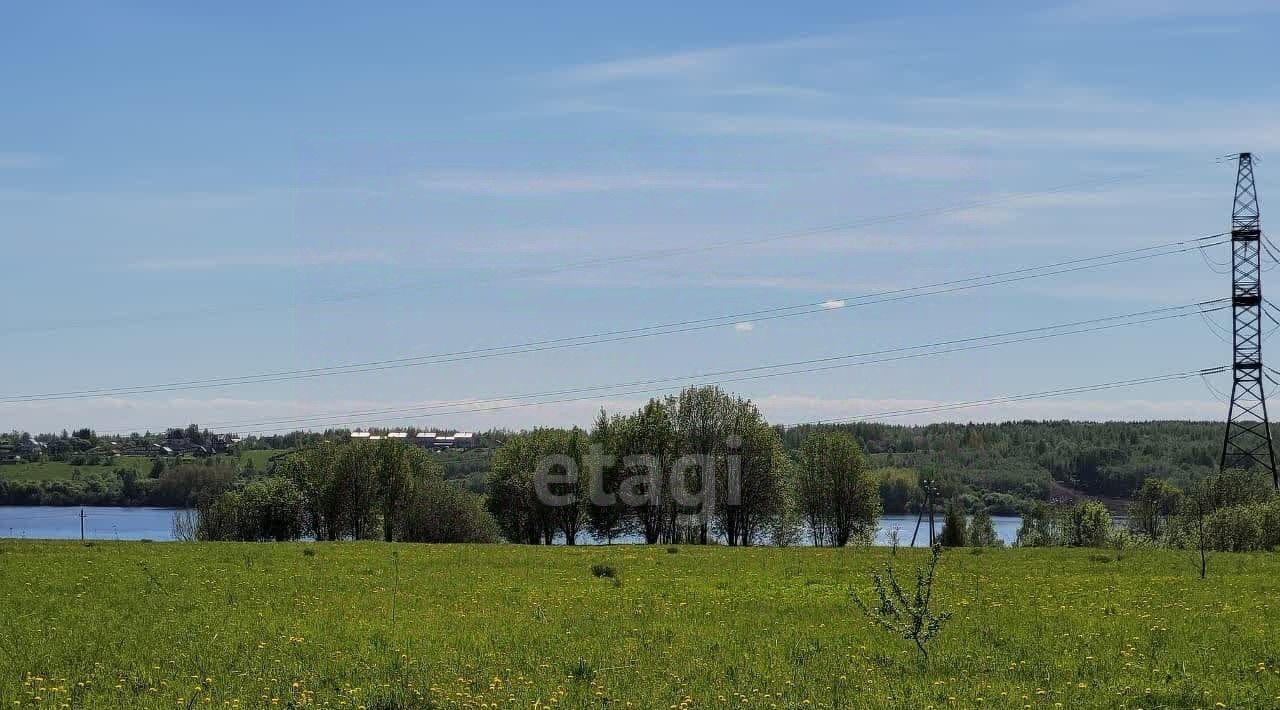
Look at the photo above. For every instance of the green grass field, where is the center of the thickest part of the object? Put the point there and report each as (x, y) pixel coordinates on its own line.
(61, 470)
(120, 625)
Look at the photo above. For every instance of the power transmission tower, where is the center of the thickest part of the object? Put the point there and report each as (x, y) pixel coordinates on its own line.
(1247, 443)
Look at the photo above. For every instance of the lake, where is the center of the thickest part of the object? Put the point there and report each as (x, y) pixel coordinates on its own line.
(104, 523)
(100, 523)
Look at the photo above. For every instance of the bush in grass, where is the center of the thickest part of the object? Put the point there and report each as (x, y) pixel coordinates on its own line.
(603, 570)
(908, 616)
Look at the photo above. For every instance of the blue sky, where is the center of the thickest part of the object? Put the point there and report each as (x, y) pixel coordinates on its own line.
(214, 192)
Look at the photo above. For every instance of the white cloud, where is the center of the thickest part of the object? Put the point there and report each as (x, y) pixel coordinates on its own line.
(832, 304)
(528, 184)
(744, 327)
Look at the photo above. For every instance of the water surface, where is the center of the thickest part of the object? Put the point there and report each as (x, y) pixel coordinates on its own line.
(106, 523)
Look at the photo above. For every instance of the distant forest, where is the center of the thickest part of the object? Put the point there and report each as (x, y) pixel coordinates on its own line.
(1002, 468)
(1021, 459)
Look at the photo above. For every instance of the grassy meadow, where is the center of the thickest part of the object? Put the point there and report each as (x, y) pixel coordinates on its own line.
(62, 470)
(119, 625)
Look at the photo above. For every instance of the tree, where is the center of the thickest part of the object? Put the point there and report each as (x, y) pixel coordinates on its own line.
(435, 510)
(1088, 524)
(908, 617)
(130, 490)
(264, 510)
(398, 466)
(1196, 507)
(702, 417)
(1155, 501)
(953, 527)
(536, 488)
(645, 445)
(835, 494)
(607, 516)
(340, 487)
(190, 484)
(750, 493)
(982, 532)
(338, 490)
(898, 488)
(1040, 527)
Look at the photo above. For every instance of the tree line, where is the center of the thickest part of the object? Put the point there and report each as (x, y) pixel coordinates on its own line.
(689, 468)
(345, 490)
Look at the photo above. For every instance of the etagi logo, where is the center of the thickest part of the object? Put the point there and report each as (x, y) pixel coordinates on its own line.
(692, 482)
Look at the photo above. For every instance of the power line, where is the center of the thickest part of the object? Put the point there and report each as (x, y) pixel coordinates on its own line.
(670, 328)
(1214, 266)
(611, 260)
(747, 373)
(1218, 331)
(1219, 394)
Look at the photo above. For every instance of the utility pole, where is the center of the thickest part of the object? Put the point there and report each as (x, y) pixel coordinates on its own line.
(1247, 442)
(926, 486)
(928, 496)
(81, 523)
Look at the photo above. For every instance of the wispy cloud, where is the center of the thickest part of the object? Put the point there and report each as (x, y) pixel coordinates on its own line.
(187, 199)
(744, 327)
(1180, 132)
(1053, 99)
(265, 259)
(923, 166)
(526, 184)
(693, 63)
(771, 92)
(21, 160)
(1101, 11)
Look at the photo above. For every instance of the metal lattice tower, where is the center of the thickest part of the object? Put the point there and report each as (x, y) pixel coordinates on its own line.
(1247, 443)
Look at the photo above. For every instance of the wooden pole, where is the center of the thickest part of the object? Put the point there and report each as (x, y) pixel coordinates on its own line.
(929, 497)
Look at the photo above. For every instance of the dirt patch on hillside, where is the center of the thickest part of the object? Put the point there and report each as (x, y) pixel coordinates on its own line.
(1066, 495)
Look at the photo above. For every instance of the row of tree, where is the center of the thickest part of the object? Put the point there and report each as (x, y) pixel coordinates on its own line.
(185, 483)
(684, 469)
(1232, 511)
(341, 490)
